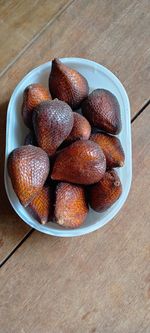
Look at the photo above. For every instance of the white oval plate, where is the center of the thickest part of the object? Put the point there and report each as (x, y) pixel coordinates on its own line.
(98, 77)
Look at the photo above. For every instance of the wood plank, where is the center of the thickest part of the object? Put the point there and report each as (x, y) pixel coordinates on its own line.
(120, 29)
(97, 283)
(20, 22)
(16, 32)
(118, 40)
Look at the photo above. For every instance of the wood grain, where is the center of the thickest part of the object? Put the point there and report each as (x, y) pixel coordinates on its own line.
(96, 283)
(20, 22)
(17, 33)
(119, 40)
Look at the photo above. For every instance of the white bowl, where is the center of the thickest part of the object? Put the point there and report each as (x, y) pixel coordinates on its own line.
(98, 77)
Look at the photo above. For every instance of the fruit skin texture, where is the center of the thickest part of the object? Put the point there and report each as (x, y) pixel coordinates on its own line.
(106, 192)
(28, 168)
(102, 110)
(83, 162)
(41, 207)
(67, 84)
(33, 95)
(71, 207)
(30, 139)
(81, 128)
(53, 122)
(112, 149)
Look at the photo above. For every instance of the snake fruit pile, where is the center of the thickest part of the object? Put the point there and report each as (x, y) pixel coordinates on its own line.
(67, 162)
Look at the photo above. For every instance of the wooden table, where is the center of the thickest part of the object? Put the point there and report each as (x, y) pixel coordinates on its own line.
(100, 282)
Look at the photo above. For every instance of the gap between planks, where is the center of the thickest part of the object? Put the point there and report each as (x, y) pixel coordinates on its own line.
(140, 111)
(49, 23)
(32, 230)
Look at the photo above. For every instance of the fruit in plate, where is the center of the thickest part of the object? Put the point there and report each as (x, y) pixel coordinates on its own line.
(81, 128)
(67, 84)
(28, 168)
(112, 149)
(106, 192)
(53, 122)
(41, 207)
(102, 110)
(33, 95)
(71, 206)
(30, 139)
(83, 162)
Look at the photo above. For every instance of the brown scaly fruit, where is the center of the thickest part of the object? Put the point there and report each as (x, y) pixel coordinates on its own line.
(30, 139)
(81, 129)
(33, 95)
(106, 192)
(53, 122)
(67, 84)
(28, 168)
(112, 149)
(71, 208)
(83, 162)
(41, 207)
(102, 110)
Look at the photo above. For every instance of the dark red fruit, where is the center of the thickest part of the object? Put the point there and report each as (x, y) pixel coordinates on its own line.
(112, 149)
(41, 207)
(53, 122)
(83, 162)
(102, 110)
(28, 167)
(34, 94)
(67, 84)
(106, 192)
(81, 129)
(71, 206)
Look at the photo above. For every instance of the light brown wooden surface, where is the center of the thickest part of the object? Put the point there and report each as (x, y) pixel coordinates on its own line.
(114, 33)
(96, 283)
(21, 22)
(101, 282)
